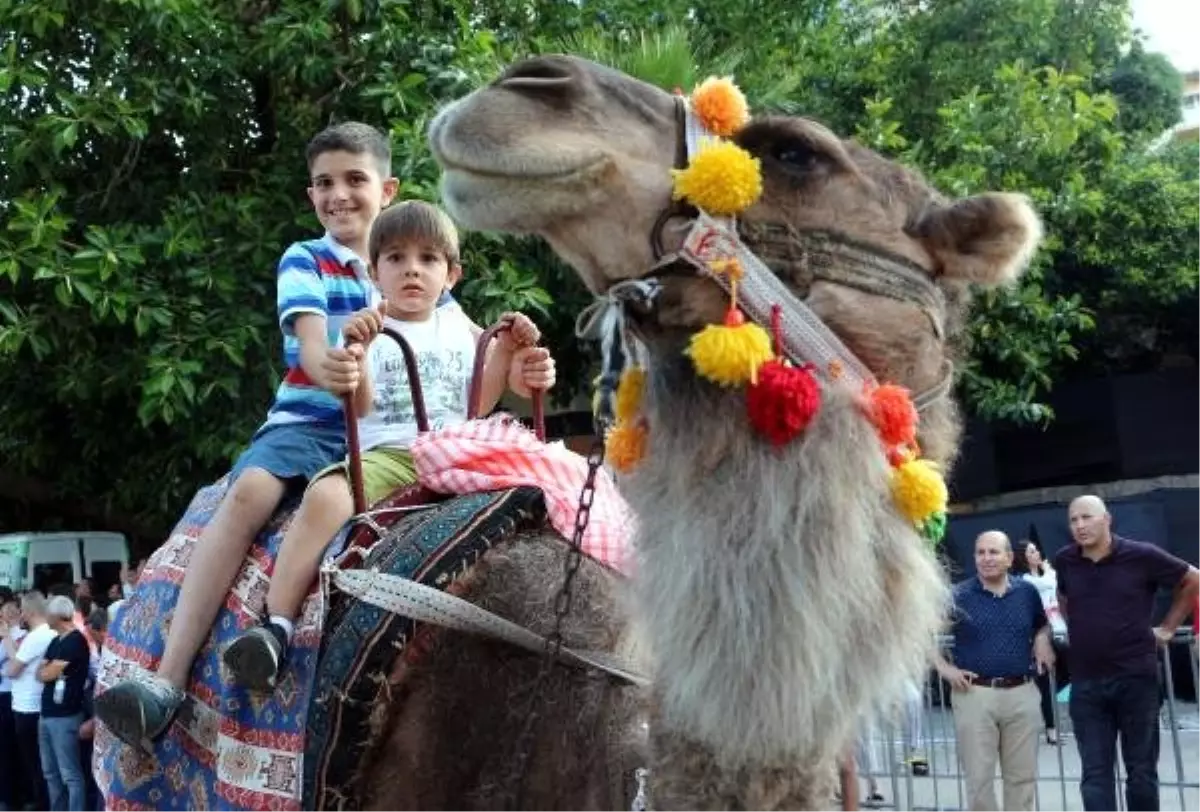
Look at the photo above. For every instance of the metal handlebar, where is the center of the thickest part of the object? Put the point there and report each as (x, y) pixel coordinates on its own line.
(474, 396)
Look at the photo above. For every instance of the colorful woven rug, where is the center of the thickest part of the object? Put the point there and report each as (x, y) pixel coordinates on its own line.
(234, 749)
(363, 642)
(228, 748)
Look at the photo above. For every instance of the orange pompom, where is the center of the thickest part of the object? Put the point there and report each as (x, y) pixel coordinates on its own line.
(891, 411)
(720, 106)
(625, 446)
(783, 402)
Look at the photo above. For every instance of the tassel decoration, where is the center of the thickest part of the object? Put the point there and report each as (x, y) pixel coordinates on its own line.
(629, 394)
(919, 490)
(785, 399)
(625, 446)
(783, 402)
(891, 411)
(730, 354)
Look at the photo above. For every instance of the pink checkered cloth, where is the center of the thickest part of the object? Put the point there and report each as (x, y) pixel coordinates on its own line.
(485, 455)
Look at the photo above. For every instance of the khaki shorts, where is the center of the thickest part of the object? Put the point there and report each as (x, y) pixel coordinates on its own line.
(384, 470)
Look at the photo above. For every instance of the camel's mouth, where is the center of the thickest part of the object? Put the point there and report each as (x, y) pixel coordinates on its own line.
(485, 154)
(508, 179)
(482, 175)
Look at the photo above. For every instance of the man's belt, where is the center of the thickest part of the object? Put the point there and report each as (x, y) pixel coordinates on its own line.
(999, 682)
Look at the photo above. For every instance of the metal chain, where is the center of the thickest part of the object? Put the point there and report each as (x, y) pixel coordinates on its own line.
(562, 607)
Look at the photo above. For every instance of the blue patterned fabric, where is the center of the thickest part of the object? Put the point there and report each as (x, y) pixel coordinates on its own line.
(228, 748)
(363, 643)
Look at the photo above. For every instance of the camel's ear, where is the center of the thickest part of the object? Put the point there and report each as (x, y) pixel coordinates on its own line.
(987, 239)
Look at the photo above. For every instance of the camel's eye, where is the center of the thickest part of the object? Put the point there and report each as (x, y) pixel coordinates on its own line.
(797, 154)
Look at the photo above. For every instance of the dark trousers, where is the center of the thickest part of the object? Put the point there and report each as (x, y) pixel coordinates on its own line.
(1062, 676)
(94, 801)
(1102, 709)
(30, 751)
(13, 790)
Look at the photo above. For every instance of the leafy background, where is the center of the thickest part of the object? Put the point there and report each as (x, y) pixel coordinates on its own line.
(153, 173)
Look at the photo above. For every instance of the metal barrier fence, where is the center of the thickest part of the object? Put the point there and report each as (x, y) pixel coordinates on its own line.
(911, 762)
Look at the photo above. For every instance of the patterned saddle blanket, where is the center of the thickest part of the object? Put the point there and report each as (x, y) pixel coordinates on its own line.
(297, 748)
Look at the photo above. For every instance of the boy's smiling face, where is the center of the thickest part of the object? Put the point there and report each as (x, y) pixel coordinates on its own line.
(348, 193)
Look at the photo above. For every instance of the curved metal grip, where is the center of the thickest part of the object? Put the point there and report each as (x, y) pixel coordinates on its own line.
(353, 447)
(476, 393)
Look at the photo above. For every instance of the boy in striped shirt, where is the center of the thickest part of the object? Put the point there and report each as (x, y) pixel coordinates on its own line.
(321, 284)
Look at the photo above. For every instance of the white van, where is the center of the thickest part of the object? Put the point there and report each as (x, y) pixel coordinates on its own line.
(42, 560)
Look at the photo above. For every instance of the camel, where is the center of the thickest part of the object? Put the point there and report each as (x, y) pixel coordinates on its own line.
(779, 599)
(779, 596)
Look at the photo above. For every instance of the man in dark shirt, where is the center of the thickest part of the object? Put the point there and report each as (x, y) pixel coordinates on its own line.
(1106, 587)
(64, 673)
(1000, 630)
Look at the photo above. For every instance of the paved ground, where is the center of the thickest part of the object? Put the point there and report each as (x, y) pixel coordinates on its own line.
(1058, 787)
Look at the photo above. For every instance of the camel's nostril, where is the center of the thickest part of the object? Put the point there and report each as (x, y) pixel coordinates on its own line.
(540, 74)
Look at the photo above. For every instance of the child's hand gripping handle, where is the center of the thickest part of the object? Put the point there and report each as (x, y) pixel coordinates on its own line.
(485, 338)
(352, 443)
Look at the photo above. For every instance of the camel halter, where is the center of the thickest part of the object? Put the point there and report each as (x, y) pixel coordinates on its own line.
(801, 348)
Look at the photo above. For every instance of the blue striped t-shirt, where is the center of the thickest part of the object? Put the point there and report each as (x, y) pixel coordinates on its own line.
(325, 278)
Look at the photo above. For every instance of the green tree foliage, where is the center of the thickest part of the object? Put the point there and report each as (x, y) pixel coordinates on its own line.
(1147, 87)
(153, 172)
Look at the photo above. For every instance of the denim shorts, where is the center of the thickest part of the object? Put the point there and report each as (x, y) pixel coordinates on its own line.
(293, 451)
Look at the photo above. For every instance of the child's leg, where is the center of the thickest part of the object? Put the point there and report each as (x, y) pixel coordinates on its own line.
(254, 657)
(137, 709)
(214, 566)
(327, 505)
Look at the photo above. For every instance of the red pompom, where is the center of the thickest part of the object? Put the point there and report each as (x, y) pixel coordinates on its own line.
(783, 401)
(892, 413)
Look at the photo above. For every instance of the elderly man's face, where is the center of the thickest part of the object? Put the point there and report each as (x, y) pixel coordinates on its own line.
(993, 555)
(1090, 521)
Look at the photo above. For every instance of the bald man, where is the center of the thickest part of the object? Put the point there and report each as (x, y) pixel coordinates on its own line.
(1106, 588)
(1001, 636)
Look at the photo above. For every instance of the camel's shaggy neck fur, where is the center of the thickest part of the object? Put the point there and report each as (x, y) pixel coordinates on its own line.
(760, 568)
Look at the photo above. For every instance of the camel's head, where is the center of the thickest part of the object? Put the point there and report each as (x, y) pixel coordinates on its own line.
(580, 154)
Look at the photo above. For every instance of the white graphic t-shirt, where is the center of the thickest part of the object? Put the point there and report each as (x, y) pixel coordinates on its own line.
(445, 351)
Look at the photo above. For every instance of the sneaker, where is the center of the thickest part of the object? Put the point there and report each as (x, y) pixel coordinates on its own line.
(137, 710)
(254, 657)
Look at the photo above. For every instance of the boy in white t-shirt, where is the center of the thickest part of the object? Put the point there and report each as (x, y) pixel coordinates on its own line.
(414, 260)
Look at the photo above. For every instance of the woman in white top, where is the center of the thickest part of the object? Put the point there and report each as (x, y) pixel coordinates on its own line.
(1045, 579)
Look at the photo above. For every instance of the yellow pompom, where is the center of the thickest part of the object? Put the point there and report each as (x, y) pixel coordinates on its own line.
(723, 179)
(625, 446)
(730, 355)
(720, 106)
(629, 393)
(919, 490)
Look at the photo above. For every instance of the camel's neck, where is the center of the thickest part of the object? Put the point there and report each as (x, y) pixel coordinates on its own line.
(778, 587)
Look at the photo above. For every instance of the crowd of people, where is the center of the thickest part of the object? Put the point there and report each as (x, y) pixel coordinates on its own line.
(50, 647)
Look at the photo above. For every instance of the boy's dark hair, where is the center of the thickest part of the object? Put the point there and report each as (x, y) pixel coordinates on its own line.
(414, 220)
(354, 137)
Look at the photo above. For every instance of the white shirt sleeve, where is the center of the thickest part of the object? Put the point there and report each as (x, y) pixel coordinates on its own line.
(32, 647)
